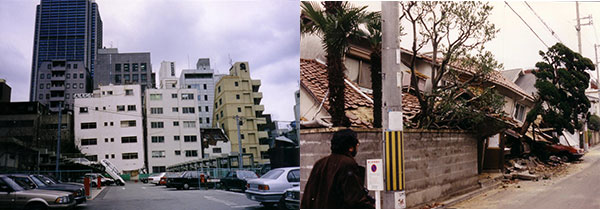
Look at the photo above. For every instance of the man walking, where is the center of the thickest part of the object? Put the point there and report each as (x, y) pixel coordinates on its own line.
(336, 181)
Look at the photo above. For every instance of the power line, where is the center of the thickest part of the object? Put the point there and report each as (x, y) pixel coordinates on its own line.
(540, 18)
(527, 24)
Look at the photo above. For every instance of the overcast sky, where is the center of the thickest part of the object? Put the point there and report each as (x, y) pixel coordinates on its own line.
(516, 46)
(264, 33)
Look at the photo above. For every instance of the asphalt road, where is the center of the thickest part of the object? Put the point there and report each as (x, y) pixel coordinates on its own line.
(576, 190)
(146, 196)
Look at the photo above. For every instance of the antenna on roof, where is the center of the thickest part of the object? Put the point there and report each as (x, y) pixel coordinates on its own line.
(189, 61)
(111, 44)
(230, 61)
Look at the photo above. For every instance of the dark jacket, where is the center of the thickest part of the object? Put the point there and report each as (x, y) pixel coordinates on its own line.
(336, 182)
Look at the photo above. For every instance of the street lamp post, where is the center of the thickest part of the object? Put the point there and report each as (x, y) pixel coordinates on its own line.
(58, 139)
(240, 160)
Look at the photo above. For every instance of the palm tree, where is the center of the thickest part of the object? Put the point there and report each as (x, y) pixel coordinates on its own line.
(373, 35)
(336, 24)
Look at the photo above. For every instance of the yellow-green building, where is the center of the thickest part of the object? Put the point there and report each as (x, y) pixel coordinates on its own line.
(237, 94)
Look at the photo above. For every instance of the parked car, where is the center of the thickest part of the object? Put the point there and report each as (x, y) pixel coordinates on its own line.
(33, 182)
(19, 196)
(155, 178)
(189, 179)
(563, 151)
(290, 199)
(170, 176)
(237, 179)
(103, 180)
(51, 180)
(269, 188)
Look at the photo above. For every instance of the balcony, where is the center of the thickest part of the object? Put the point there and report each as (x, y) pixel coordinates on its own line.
(57, 88)
(57, 98)
(58, 78)
(256, 95)
(259, 108)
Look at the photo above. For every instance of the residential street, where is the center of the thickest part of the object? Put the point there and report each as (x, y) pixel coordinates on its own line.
(147, 196)
(577, 188)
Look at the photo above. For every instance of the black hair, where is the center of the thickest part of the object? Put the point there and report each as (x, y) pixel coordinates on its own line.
(343, 140)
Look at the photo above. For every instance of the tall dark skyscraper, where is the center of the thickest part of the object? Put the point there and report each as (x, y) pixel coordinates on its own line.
(65, 30)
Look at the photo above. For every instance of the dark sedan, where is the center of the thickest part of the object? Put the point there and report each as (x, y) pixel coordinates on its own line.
(170, 176)
(34, 182)
(237, 179)
(190, 179)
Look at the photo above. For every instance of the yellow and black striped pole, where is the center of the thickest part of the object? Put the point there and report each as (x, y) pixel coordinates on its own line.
(394, 164)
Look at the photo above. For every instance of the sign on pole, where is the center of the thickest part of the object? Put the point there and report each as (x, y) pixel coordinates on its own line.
(375, 179)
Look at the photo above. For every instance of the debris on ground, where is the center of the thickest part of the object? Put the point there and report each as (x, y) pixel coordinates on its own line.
(531, 168)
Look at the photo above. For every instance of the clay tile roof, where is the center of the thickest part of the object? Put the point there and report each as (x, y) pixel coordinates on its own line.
(359, 107)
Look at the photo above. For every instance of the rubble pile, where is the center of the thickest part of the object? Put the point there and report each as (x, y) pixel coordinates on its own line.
(531, 168)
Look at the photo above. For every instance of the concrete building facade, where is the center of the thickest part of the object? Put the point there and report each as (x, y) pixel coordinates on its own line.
(5, 91)
(117, 68)
(173, 130)
(237, 94)
(59, 81)
(166, 75)
(202, 79)
(108, 125)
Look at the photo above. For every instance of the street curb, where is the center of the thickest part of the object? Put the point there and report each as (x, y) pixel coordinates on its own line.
(94, 195)
(469, 195)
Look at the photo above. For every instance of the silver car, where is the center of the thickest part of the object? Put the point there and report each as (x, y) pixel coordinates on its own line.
(270, 188)
(19, 196)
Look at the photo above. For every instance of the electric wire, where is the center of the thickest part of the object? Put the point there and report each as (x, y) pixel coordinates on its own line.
(543, 22)
(526, 24)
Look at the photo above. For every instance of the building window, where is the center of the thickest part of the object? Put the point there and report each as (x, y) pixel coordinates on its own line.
(200, 120)
(187, 96)
(221, 114)
(49, 66)
(83, 110)
(237, 96)
(191, 153)
(519, 112)
(120, 108)
(174, 95)
(156, 110)
(157, 125)
(158, 154)
(129, 156)
(68, 85)
(127, 78)
(216, 150)
(144, 78)
(106, 156)
(220, 101)
(207, 120)
(131, 108)
(236, 84)
(88, 125)
(85, 142)
(74, 85)
(206, 97)
(105, 124)
(128, 139)
(75, 66)
(41, 86)
(126, 67)
(42, 76)
(190, 138)
(112, 156)
(242, 135)
(128, 123)
(92, 157)
(178, 152)
(176, 138)
(118, 67)
(143, 66)
(156, 96)
(41, 96)
(175, 123)
(128, 92)
(204, 86)
(175, 109)
(219, 89)
(206, 108)
(189, 124)
(68, 76)
(239, 109)
(135, 78)
(159, 169)
(134, 67)
(188, 110)
(47, 85)
(158, 139)
(112, 139)
(81, 76)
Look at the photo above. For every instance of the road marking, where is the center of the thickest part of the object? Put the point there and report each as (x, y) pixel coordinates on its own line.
(244, 206)
(123, 188)
(220, 201)
(144, 188)
(233, 193)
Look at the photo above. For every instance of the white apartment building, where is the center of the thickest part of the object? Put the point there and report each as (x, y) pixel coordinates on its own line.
(166, 75)
(173, 131)
(108, 125)
(202, 79)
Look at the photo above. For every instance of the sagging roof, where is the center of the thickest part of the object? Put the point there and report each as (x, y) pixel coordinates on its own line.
(359, 105)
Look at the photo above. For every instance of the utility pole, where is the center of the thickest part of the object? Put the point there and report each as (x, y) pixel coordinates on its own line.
(582, 142)
(392, 89)
(578, 26)
(58, 139)
(240, 160)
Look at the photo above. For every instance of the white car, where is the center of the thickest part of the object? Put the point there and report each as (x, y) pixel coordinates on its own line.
(269, 188)
(103, 180)
(155, 178)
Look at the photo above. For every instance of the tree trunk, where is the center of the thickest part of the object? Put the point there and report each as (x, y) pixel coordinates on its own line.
(335, 74)
(376, 87)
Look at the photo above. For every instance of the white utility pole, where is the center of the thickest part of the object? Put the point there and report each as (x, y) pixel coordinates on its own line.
(578, 26)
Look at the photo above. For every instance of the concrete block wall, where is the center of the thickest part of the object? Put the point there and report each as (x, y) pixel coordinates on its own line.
(438, 163)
